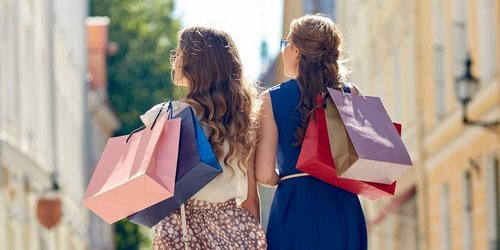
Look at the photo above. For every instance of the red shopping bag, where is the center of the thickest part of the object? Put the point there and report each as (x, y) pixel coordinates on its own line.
(315, 158)
(135, 171)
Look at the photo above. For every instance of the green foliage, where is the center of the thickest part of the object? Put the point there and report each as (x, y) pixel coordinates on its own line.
(139, 74)
(128, 236)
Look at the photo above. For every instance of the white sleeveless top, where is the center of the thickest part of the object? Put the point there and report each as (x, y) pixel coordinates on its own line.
(231, 183)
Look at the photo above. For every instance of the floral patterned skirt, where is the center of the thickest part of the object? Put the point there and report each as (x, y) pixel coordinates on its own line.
(210, 226)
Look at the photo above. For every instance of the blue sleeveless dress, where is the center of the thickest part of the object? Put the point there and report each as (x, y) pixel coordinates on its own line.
(306, 212)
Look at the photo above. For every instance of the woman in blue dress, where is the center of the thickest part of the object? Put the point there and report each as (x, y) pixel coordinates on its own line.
(306, 212)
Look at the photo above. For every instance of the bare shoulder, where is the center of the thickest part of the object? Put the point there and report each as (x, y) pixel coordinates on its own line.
(265, 99)
(178, 106)
(265, 95)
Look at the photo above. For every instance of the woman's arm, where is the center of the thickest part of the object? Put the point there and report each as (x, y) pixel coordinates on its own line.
(252, 203)
(265, 158)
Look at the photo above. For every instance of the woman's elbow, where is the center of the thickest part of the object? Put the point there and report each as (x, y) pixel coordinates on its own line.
(266, 179)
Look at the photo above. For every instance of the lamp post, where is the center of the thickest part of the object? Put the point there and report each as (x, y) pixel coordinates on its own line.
(466, 87)
(49, 205)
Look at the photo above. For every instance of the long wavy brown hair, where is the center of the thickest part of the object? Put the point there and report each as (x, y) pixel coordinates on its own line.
(320, 44)
(210, 64)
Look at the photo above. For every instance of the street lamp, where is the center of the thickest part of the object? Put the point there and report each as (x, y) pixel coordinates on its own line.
(466, 86)
(49, 205)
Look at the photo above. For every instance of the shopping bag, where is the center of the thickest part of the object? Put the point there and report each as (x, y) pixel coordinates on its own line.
(197, 166)
(315, 158)
(364, 143)
(135, 171)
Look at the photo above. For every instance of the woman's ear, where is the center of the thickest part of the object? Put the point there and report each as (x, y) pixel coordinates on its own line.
(296, 52)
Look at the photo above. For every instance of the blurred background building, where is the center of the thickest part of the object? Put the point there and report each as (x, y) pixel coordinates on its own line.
(384, 51)
(54, 119)
(103, 120)
(42, 119)
(414, 55)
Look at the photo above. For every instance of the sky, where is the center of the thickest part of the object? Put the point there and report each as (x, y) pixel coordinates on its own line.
(247, 22)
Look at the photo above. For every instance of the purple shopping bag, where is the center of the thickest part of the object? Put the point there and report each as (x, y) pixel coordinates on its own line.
(315, 158)
(371, 148)
(197, 165)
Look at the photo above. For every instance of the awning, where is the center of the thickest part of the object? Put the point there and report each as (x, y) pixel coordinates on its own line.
(392, 205)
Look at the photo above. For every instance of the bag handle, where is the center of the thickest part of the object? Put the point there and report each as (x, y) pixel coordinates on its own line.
(134, 131)
(320, 103)
(169, 108)
(355, 87)
(321, 98)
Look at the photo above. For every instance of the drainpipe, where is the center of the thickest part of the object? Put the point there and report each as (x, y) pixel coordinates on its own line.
(52, 87)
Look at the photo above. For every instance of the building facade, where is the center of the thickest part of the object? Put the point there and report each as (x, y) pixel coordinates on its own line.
(411, 53)
(45, 123)
(103, 120)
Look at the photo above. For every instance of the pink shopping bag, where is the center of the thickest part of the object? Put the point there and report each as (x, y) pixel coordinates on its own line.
(135, 171)
(364, 142)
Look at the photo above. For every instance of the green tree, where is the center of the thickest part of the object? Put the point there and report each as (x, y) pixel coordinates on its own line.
(139, 74)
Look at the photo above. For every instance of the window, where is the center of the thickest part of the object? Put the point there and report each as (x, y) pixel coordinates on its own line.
(320, 6)
(10, 88)
(411, 79)
(43, 239)
(27, 82)
(407, 230)
(3, 202)
(389, 221)
(438, 61)
(488, 30)
(467, 210)
(11, 236)
(459, 42)
(445, 218)
(397, 87)
(492, 192)
(3, 60)
(497, 205)
(379, 73)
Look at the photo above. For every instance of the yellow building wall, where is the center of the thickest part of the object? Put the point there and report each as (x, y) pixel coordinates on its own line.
(441, 148)
(450, 169)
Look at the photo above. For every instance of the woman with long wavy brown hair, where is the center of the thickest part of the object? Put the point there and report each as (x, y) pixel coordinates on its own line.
(225, 213)
(306, 213)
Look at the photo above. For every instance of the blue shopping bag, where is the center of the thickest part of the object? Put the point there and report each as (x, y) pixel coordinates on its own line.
(197, 166)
